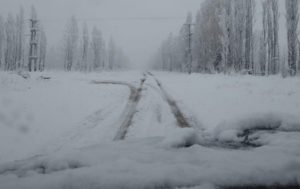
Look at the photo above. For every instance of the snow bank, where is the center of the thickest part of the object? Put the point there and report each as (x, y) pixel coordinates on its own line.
(180, 138)
(39, 165)
(146, 163)
(264, 121)
(38, 115)
(237, 130)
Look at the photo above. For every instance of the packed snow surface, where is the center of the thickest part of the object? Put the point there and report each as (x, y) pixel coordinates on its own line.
(59, 132)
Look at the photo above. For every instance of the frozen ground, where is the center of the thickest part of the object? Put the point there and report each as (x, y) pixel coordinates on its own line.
(198, 131)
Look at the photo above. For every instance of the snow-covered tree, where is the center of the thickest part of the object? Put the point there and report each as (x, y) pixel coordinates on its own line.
(122, 60)
(239, 31)
(171, 54)
(2, 41)
(249, 6)
(228, 25)
(111, 54)
(10, 50)
(186, 33)
(84, 48)
(97, 44)
(42, 49)
(70, 43)
(292, 19)
(12, 41)
(211, 37)
(270, 57)
(224, 39)
(275, 47)
(91, 53)
(197, 43)
(20, 39)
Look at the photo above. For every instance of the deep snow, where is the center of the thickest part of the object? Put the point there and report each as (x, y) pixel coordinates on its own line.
(61, 131)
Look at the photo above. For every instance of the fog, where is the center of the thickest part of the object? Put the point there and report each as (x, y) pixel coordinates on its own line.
(138, 26)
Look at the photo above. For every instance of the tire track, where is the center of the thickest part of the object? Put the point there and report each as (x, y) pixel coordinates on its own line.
(181, 120)
(130, 109)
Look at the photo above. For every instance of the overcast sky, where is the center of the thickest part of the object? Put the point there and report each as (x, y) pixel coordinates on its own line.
(138, 37)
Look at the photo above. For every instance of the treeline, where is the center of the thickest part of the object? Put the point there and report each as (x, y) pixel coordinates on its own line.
(88, 51)
(222, 39)
(23, 47)
(14, 47)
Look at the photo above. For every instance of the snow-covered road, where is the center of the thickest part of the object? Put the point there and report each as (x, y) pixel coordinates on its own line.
(130, 109)
(170, 131)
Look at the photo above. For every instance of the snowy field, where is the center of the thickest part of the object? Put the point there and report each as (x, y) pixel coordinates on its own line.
(181, 131)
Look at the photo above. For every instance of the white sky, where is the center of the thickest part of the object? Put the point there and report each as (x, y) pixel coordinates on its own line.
(138, 38)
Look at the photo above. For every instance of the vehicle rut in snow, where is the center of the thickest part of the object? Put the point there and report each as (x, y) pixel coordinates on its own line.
(183, 122)
(179, 116)
(130, 109)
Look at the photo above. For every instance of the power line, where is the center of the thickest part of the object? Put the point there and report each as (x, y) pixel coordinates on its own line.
(116, 19)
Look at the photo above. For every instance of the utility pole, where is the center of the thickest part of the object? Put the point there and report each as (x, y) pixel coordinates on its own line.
(33, 51)
(189, 51)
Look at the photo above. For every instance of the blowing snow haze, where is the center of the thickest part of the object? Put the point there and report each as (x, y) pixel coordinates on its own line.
(138, 26)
